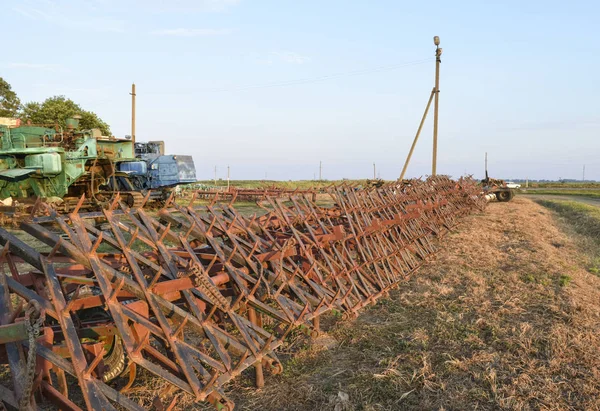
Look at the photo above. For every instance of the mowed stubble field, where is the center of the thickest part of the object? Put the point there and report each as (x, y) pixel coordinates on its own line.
(506, 317)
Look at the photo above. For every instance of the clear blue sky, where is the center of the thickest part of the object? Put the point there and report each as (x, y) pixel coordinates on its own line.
(218, 79)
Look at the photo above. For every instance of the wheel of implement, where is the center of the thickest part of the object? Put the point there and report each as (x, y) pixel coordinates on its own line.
(115, 360)
(504, 195)
(133, 199)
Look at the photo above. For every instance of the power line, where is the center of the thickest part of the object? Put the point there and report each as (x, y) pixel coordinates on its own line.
(309, 80)
(329, 76)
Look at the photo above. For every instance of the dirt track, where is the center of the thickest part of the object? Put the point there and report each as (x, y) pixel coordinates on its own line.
(507, 317)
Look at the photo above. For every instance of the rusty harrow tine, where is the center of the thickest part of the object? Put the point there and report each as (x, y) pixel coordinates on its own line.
(89, 388)
(186, 363)
(188, 291)
(14, 351)
(115, 307)
(262, 308)
(313, 286)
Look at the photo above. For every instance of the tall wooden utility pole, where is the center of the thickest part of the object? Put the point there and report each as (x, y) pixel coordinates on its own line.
(227, 178)
(133, 113)
(434, 95)
(374, 173)
(438, 60)
(215, 175)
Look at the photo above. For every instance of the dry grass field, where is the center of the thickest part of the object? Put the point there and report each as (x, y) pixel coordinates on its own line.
(506, 317)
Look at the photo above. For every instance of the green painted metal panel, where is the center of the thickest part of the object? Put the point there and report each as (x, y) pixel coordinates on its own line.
(15, 174)
(13, 332)
(47, 163)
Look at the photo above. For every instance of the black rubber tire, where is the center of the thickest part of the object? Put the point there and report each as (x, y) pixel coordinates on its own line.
(115, 360)
(504, 195)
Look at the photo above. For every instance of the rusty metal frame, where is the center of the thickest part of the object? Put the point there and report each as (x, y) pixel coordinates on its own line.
(199, 294)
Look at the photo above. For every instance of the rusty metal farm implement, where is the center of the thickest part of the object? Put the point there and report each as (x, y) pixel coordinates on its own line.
(197, 295)
(233, 194)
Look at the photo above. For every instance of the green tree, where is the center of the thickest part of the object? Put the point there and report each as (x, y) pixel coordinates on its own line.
(57, 109)
(9, 102)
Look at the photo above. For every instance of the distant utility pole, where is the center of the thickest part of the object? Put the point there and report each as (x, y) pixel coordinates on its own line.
(320, 170)
(486, 173)
(583, 178)
(374, 173)
(133, 113)
(215, 175)
(227, 178)
(438, 60)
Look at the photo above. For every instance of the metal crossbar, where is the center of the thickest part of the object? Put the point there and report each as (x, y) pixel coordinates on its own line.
(196, 295)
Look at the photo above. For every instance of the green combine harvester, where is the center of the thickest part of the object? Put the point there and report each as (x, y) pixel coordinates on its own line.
(60, 166)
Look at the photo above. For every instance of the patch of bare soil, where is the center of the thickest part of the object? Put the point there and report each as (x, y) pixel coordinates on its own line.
(506, 317)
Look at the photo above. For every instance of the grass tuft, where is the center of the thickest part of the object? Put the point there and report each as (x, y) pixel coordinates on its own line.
(564, 280)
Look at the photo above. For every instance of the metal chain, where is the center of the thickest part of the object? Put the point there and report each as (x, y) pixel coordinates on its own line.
(212, 292)
(34, 318)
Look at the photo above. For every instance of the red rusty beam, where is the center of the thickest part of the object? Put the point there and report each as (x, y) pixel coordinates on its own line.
(209, 277)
